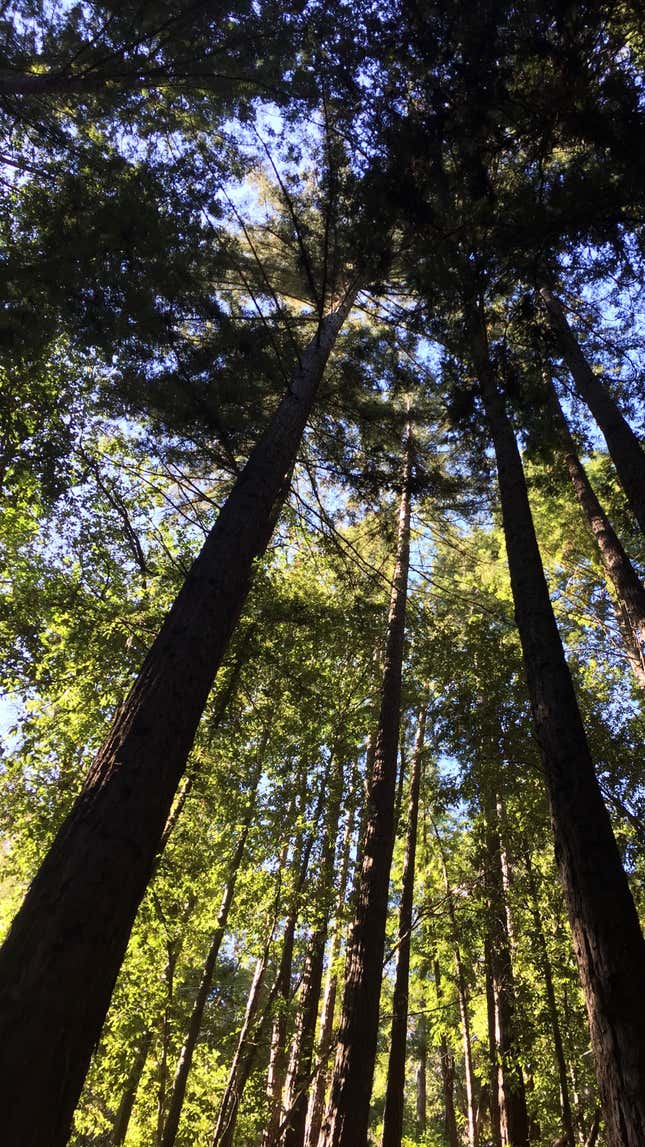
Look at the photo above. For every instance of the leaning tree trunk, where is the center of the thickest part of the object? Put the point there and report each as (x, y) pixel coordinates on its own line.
(60, 961)
(544, 963)
(510, 1081)
(346, 1120)
(608, 942)
(394, 1093)
(615, 562)
(626, 451)
(185, 1060)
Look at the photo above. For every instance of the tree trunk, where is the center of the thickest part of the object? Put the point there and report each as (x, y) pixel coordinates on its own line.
(316, 1107)
(626, 451)
(547, 973)
(607, 939)
(395, 1089)
(615, 562)
(122, 1119)
(194, 1027)
(60, 961)
(347, 1116)
(510, 1081)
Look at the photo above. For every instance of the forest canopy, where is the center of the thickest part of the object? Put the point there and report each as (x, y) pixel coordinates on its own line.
(322, 482)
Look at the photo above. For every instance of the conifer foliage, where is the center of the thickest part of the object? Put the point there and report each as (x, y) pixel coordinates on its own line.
(323, 605)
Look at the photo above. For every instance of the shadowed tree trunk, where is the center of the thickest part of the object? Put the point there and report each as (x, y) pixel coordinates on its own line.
(493, 1066)
(61, 958)
(394, 1093)
(122, 1119)
(347, 1116)
(626, 451)
(609, 946)
(618, 569)
(544, 962)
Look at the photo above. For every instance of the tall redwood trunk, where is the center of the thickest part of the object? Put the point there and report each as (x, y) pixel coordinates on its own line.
(626, 451)
(346, 1120)
(607, 938)
(184, 1062)
(544, 961)
(510, 1081)
(61, 958)
(395, 1088)
(618, 569)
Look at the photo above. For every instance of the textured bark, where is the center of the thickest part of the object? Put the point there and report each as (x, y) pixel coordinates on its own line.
(347, 1116)
(510, 1081)
(626, 451)
(618, 569)
(549, 990)
(394, 1093)
(124, 1113)
(61, 958)
(316, 1107)
(194, 1027)
(608, 943)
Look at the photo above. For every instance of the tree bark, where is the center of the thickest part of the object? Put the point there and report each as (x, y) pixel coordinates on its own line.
(608, 942)
(395, 1088)
(626, 451)
(347, 1116)
(61, 958)
(421, 1084)
(124, 1113)
(549, 989)
(618, 569)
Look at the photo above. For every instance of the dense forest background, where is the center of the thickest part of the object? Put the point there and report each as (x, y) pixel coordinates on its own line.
(322, 797)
